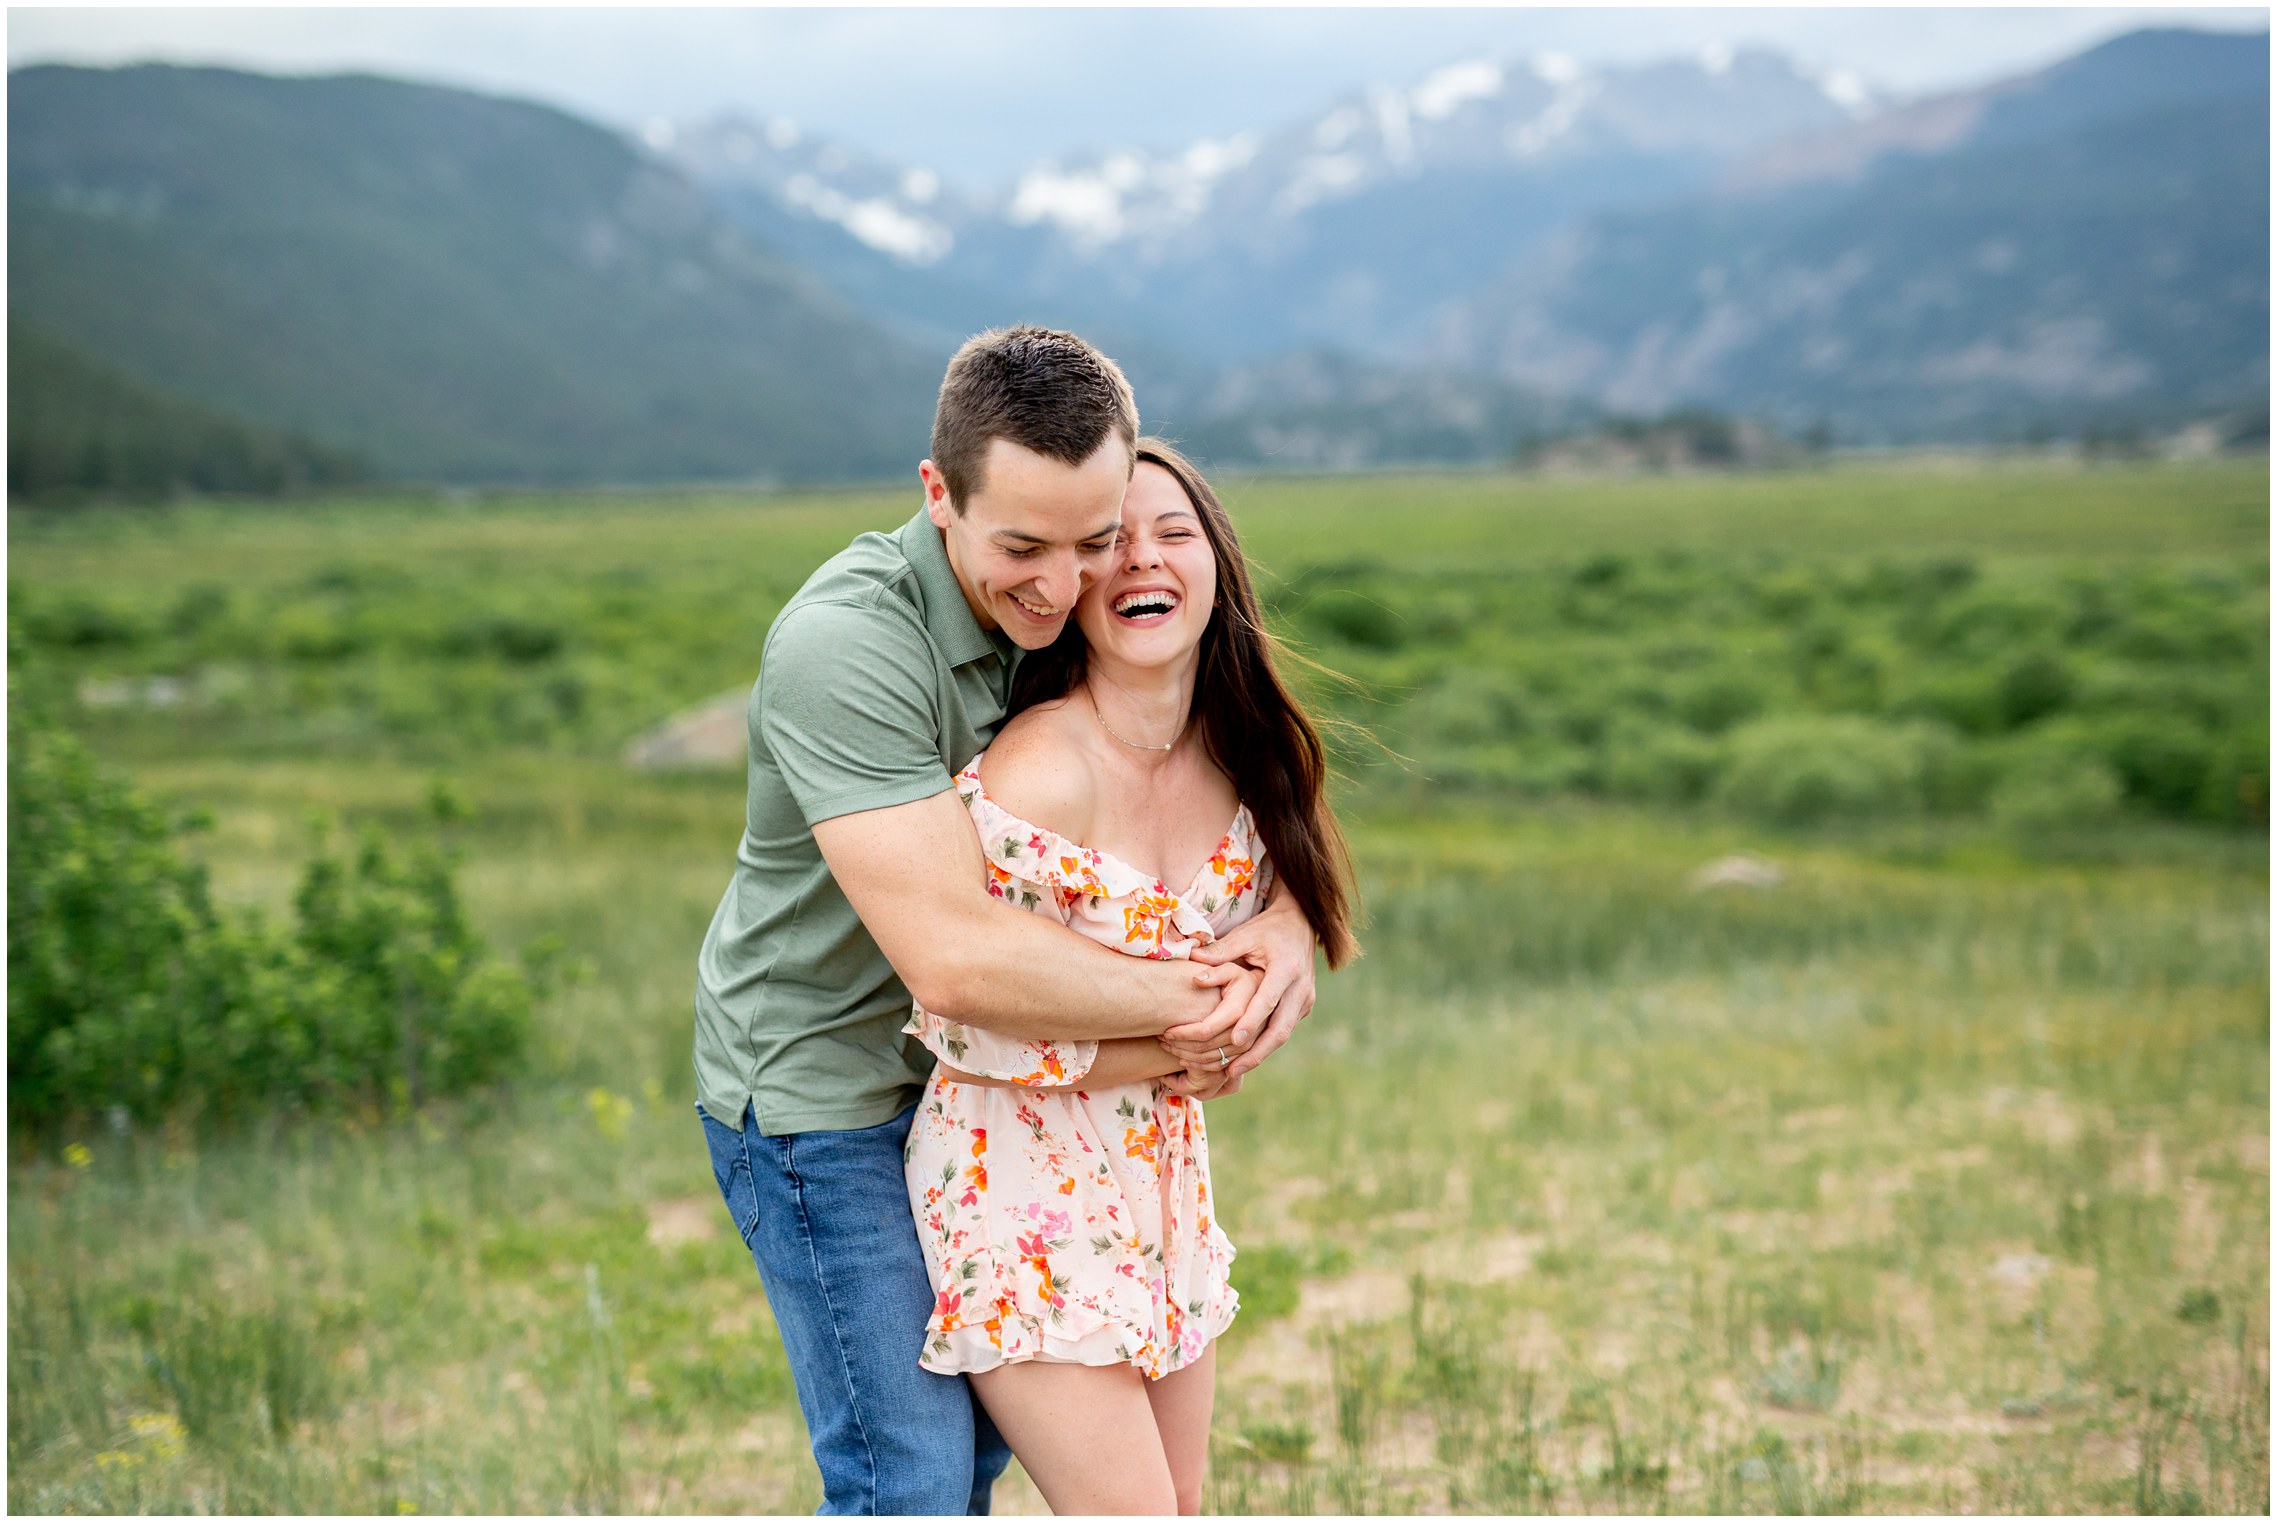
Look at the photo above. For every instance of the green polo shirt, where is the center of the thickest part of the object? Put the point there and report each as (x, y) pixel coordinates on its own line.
(876, 686)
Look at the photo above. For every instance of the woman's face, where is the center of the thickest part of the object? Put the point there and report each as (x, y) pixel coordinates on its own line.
(1152, 607)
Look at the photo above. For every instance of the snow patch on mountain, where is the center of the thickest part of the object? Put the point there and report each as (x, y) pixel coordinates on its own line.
(1127, 194)
(1444, 93)
(876, 221)
(1530, 137)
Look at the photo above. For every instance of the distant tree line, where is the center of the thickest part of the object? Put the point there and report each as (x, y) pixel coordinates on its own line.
(1704, 438)
(78, 429)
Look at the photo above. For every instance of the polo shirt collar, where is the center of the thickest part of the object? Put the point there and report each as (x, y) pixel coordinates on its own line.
(948, 617)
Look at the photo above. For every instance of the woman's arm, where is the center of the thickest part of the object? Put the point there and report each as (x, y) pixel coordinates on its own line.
(1121, 1060)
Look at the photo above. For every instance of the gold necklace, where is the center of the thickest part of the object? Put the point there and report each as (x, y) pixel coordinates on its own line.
(1136, 745)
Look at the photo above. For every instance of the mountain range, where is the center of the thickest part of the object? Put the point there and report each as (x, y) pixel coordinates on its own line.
(456, 287)
(1336, 230)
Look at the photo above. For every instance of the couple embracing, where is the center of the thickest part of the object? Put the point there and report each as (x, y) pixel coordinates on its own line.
(1035, 860)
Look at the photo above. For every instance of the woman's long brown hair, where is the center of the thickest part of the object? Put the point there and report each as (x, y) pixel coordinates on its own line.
(1254, 729)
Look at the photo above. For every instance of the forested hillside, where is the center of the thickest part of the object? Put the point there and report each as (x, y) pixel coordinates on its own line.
(77, 428)
(460, 287)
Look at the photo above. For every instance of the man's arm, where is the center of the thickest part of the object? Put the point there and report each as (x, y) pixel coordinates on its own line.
(916, 876)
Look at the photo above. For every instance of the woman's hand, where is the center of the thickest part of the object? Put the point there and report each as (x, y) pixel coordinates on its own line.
(1203, 1043)
(1278, 943)
(1204, 1086)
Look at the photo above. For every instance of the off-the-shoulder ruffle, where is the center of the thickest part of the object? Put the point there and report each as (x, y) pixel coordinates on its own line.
(1029, 853)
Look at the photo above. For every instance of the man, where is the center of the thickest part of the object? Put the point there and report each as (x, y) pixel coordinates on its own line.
(860, 882)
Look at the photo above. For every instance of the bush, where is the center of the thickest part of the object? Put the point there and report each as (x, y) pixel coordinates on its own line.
(1472, 707)
(129, 987)
(2056, 792)
(2236, 790)
(2033, 686)
(1808, 768)
(1356, 619)
(1967, 699)
(1716, 700)
(1659, 763)
(2163, 760)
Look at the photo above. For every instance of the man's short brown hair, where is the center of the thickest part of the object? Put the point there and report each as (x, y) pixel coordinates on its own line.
(1042, 389)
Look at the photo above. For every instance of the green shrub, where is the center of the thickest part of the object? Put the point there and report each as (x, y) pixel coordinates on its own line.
(2162, 759)
(1471, 707)
(2236, 790)
(1803, 769)
(1716, 700)
(2033, 686)
(1989, 620)
(1967, 699)
(1660, 763)
(2056, 791)
(128, 987)
(1356, 619)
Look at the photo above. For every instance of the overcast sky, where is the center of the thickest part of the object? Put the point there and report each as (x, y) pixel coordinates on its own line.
(980, 94)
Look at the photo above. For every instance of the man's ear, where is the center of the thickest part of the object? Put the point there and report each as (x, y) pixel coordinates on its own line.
(937, 505)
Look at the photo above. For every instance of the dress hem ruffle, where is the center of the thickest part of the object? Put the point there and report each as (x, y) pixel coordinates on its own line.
(972, 1350)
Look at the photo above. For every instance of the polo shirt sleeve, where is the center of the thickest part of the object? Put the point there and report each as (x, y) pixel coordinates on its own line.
(847, 708)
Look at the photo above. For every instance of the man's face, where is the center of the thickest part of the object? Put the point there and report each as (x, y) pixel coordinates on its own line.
(1033, 536)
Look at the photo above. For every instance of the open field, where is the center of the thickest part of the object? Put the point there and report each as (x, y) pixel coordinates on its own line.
(1933, 1177)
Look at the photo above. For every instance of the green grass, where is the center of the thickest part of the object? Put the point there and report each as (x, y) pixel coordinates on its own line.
(2042, 647)
(1933, 1178)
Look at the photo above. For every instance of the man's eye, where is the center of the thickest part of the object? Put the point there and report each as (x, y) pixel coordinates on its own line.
(1021, 555)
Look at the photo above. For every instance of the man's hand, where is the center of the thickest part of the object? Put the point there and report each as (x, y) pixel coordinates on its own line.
(1278, 944)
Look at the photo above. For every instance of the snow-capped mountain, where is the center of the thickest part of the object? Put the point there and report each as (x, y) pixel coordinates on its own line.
(898, 211)
(1246, 246)
(1472, 117)
(1730, 229)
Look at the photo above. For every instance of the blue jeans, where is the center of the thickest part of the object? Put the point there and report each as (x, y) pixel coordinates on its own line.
(826, 1216)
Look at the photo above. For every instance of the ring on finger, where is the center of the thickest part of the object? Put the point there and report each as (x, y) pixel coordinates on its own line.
(1223, 1060)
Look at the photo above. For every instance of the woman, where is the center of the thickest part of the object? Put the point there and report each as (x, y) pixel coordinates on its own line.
(1062, 1190)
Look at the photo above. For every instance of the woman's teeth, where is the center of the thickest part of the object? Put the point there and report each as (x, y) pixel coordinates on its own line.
(1142, 605)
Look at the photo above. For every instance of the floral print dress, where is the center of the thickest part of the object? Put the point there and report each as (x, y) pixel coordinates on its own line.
(1062, 1223)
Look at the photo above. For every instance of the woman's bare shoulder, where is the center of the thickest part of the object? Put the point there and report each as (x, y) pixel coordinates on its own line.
(1036, 769)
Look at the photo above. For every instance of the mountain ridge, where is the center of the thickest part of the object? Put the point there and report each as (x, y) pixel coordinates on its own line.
(2068, 262)
(465, 288)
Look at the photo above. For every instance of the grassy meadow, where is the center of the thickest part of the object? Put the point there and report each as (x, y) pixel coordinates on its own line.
(1931, 1176)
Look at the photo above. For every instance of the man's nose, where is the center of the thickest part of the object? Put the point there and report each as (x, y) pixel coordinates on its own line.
(1064, 581)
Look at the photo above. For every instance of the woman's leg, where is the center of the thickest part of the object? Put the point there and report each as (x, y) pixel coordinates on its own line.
(1084, 1433)
(1182, 1401)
